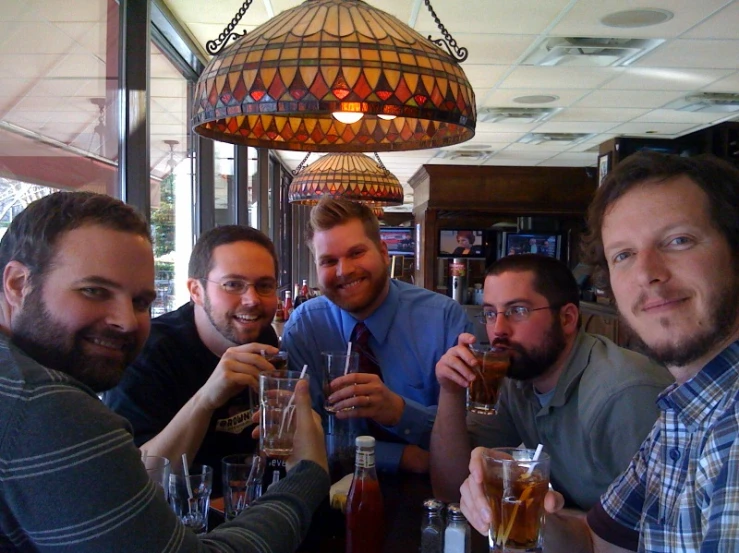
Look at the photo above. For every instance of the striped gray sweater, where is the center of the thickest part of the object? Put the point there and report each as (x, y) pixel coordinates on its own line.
(71, 479)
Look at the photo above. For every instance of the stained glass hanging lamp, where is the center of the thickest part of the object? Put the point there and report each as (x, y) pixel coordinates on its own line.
(335, 76)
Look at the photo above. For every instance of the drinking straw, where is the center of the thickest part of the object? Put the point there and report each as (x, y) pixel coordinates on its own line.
(348, 357)
(186, 472)
(503, 538)
(290, 408)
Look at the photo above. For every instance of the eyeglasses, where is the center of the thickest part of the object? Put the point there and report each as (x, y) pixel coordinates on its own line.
(515, 314)
(237, 287)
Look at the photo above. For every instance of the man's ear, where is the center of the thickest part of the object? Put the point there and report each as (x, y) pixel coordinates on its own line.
(16, 283)
(569, 316)
(197, 294)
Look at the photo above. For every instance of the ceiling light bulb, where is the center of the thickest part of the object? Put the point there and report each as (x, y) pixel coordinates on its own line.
(347, 117)
(386, 117)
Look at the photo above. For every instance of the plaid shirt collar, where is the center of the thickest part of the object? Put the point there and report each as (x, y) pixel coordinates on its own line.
(695, 400)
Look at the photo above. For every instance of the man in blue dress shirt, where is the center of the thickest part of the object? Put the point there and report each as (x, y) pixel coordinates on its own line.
(409, 329)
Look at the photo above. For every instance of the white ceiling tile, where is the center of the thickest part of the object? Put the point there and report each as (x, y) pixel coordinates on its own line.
(506, 127)
(677, 116)
(505, 97)
(727, 84)
(722, 24)
(571, 160)
(651, 78)
(654, 130)
(584, 18)
(559, 77)
(628, 99)
(493, 49)
(484, 76)
(582, 127)
(544, 149)
(596, 114)
(698, 54)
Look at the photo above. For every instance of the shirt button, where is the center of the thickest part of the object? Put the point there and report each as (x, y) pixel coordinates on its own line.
(407, 431)
(674, 454)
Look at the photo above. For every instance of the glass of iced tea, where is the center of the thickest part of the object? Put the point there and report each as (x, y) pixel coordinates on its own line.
(515, 486)
(277, 412)
(492, 367)
(335, 365)
(278, 360)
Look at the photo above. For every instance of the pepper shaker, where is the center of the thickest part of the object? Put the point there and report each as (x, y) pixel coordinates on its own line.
(432, 528)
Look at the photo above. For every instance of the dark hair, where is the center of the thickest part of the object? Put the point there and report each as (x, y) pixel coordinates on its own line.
(32, 235)
(331, 212)
(468, 234)
(201, 259)
(552, 278)
(718, 179)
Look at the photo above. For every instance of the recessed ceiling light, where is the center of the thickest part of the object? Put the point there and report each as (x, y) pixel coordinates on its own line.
(536, 99)
(631, 19)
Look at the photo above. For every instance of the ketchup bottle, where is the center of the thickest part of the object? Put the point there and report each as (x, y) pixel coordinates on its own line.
(365, 521)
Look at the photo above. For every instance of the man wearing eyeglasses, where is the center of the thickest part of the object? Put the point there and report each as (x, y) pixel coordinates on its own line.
(187, 390)
(588, 401)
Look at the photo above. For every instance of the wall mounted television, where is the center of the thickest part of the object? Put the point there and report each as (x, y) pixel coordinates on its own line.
(462, 243)
(543, 243)
(399, 240)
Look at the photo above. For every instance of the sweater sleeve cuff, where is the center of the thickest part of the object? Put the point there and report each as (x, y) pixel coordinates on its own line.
(611, 531)
(307, 480)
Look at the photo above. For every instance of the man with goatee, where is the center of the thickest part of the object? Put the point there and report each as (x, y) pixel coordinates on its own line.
(589, 402)
(187, 390)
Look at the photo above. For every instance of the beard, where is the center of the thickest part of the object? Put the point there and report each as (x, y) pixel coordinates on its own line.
(723, 306)
(360, 304)
(225, 325)
(47, 341)
(534, 362)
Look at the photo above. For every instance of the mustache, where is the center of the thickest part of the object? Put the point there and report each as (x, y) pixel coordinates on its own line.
(506, 343)
(643, 298)
(127, 340)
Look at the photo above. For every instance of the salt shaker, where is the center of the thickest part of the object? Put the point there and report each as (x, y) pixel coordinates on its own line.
(432, 528)
(457, 533)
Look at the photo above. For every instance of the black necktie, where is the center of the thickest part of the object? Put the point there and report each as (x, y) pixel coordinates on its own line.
(360, 342)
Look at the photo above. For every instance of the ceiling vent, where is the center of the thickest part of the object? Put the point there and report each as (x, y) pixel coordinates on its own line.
(464, 154)
(515, 115)
(718, 102)
(561, 137)
(589, 52)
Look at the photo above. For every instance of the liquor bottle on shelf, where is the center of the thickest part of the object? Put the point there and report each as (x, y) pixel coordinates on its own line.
(365, 519)
(287, 310)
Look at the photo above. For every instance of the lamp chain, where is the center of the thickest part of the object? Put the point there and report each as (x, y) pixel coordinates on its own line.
(218, 45)
(380, 163)
(448, 42)
(301, 165)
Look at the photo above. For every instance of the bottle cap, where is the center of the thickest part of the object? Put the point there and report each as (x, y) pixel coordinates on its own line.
(365, 441)
(455, 512)
(433, 505)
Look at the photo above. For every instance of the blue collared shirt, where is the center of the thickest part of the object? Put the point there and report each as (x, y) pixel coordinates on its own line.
(411, 330)
(681, 490)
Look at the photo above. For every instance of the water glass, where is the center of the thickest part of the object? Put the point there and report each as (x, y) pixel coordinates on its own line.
(189, 496)
(277, 415)
(336, 364)
(242, 482)
(158, 470)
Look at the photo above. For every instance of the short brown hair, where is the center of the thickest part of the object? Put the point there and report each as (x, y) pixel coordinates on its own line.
(718, 179)
(468, 234)
(32, 236)
(331, 212)
(201, 258)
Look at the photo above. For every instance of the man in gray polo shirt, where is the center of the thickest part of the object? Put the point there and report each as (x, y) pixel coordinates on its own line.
(588, 401)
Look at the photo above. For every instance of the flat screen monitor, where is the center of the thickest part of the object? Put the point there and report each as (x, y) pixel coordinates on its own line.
(399, 240)
(543, 243)
(461, 243)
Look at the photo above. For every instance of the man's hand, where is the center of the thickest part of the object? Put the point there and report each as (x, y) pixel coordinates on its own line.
(363, 395)
(453, 369)
(414, 459)
(474, 504)
(238, 368)
(308, 443)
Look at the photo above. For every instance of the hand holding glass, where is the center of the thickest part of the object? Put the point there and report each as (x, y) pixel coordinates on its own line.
(277, 412)
(491, 369)
(515, 486)
(336, 364)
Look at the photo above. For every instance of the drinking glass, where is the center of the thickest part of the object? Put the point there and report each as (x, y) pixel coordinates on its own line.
(277, 416)
(158, 470)
(242, 482)
(491, 369)
(278, 360)
(515, 485)
(189, 496)
(335, 365)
